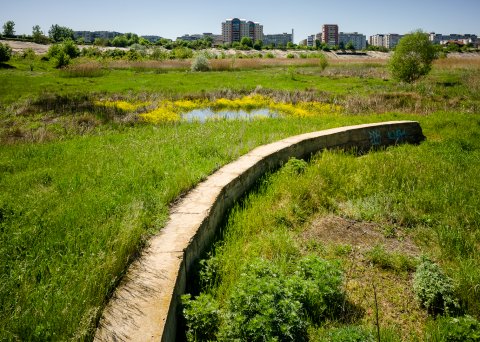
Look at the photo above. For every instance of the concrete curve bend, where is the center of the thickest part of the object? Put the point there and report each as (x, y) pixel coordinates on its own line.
(145, 306)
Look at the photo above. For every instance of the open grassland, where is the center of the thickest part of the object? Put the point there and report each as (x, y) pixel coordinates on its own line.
(83, 186)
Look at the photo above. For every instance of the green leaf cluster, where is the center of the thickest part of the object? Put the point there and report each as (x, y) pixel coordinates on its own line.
(433, 288)
(268, 303)
(5, 52)
(413, 57)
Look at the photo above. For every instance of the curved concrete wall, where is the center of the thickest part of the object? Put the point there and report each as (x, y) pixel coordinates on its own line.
(145, 306)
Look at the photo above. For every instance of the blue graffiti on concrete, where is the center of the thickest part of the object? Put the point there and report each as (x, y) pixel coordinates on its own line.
(375, 137)
(397, 135)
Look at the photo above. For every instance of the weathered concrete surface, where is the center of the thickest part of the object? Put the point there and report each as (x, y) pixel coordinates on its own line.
(145, 306)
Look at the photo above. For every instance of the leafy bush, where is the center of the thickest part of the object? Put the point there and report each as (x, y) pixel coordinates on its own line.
(202, 316)
(458, 329)
(70, 48)
(269, 55)
(267, 303)
(5, 52)
(412, 58)
(263, 307)
(295, 166)
(433, 288)
(181, 53)
(61, 53)
(159, 54)
(200, 63)
(132, 55)
(323, 62)
(318, 287)
(61, 60)
(290, 55)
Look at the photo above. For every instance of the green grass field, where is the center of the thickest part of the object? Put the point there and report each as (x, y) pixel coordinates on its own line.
(82, 188)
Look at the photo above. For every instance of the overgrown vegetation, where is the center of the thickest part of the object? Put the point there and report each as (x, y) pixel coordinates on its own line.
(5, 52)
(413, 57)
(278, 223)
(85, 181)
(434, 289)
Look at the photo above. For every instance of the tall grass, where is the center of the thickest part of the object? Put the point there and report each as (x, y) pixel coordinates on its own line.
(428, 191)
(74, 212)
(75, 209)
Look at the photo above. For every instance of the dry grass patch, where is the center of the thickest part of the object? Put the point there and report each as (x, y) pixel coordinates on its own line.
(361, 247)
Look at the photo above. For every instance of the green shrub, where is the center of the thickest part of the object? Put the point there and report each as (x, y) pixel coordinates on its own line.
(317, 285)
(202, 316)
(262, 307)
(269, 55)
(200, 63)
(433, 288)
(132, 55)
(159, 54)
(62, 53)
(295, 166)
(5, 52)
(70, 48)
(449, 329)
(266, 303)
(322, 61)
(290, 55)
(413, 57)
(181, 53)
(61, 60)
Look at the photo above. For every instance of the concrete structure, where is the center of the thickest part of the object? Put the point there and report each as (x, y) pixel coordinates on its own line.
(311, 40)
(358, 40)
(278, 40)
(190, 37)
(330, 34)
(388, 41)
(146, 305)
(376, 40)
(438, 38)
(391, 40)
(233, 30)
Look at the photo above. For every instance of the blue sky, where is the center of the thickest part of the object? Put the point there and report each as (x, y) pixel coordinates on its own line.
(173, 18)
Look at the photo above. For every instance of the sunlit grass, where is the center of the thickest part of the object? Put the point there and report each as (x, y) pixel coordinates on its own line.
(85, 179)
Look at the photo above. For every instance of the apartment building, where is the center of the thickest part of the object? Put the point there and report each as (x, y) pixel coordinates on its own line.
(278, 40)
(233, 30)
(388, 41)
(330, 34)
(310, 40)
(358, 40)
(438, 38)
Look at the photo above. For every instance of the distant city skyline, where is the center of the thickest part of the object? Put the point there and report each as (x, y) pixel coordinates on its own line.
(172, 19)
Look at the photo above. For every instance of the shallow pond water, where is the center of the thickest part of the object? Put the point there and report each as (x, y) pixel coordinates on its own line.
(204, 114)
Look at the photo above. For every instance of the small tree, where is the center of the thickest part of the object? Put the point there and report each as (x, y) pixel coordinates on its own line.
(59, 33)
(413, 57)
(8, 29)
(5, 52)
(246, 42)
